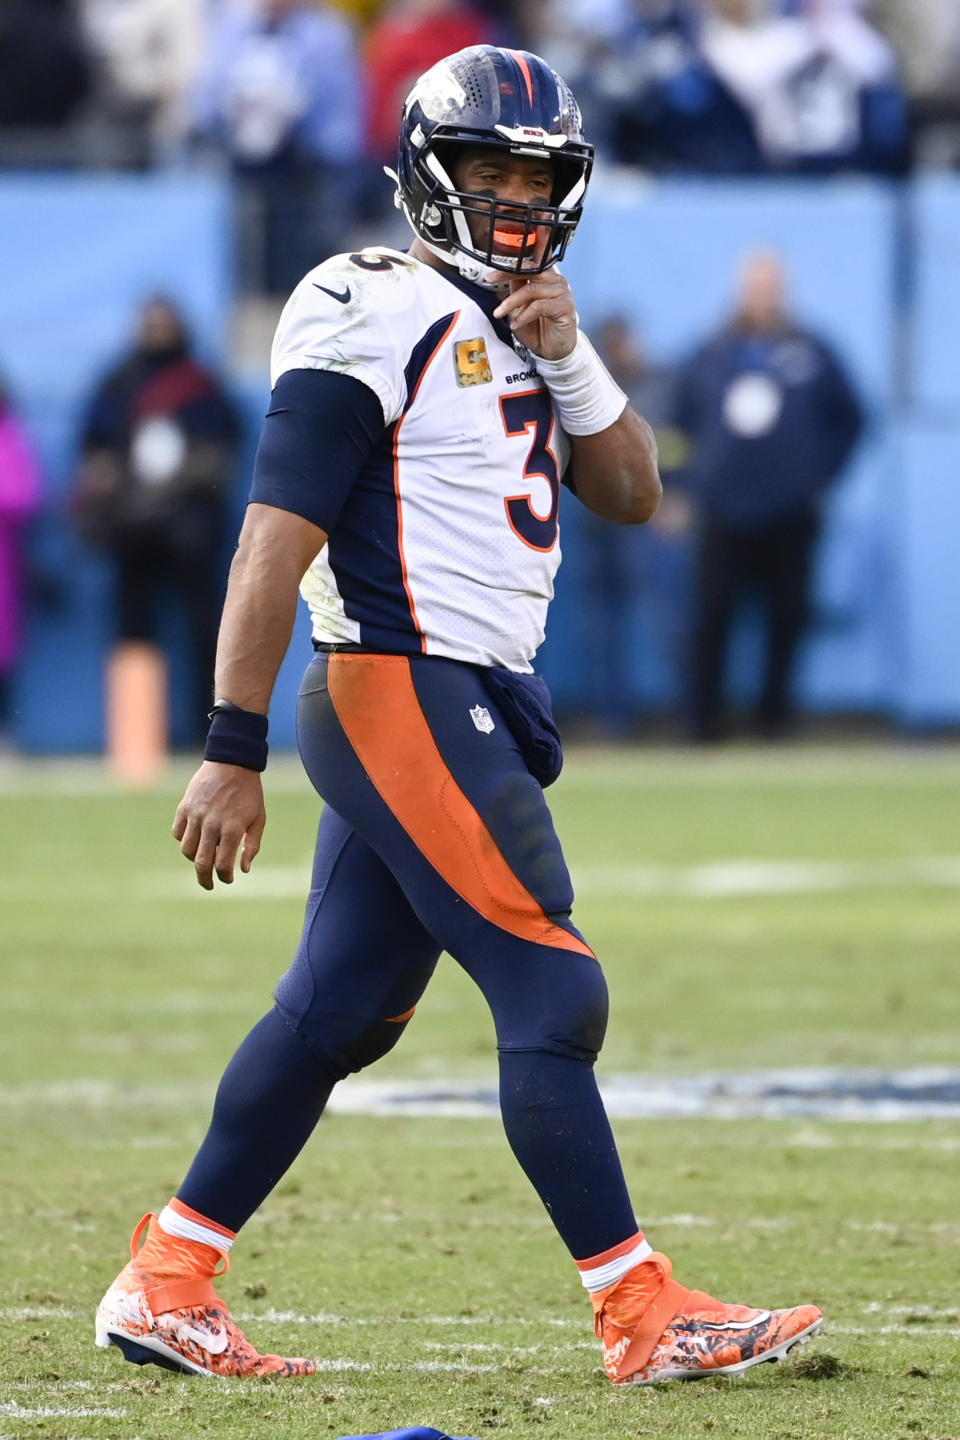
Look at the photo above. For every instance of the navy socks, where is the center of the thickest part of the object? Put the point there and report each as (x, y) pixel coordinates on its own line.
(275, 1088)
(559, 1131)
(270, 1098)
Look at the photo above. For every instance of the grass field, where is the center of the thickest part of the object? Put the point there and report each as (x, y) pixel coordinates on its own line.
(787, 908)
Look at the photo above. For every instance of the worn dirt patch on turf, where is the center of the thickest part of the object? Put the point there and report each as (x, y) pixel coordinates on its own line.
(822, 1366)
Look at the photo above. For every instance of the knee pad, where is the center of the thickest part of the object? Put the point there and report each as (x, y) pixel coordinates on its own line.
(569, 1013)
(346, 1043)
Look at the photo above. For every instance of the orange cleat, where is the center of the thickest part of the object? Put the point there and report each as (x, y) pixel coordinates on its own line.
(180, 1323)
(652, 1329)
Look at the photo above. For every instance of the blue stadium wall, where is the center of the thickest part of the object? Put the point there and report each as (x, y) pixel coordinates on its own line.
(875, 269)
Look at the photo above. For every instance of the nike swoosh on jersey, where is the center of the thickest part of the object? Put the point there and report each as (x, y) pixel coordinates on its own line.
(343, 296)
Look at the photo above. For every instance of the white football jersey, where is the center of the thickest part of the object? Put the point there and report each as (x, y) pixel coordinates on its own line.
(448, 542)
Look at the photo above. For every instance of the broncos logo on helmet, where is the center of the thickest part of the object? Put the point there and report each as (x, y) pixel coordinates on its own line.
(514, 101)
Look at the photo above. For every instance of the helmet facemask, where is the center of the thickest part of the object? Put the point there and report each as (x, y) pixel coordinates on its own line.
(515, 238)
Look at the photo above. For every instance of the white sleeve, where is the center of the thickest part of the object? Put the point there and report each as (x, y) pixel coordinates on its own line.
(335, 320)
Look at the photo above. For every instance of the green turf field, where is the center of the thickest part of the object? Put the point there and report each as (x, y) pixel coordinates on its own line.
(796, 907)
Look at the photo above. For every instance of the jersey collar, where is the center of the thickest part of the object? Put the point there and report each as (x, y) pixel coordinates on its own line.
(488, 300)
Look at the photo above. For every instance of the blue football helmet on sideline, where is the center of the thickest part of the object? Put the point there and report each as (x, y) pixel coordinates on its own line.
(514, 101)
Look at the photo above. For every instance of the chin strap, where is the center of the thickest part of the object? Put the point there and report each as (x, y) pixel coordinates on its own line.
(470, 267)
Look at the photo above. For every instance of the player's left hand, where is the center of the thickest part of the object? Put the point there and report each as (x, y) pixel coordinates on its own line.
(542, 313)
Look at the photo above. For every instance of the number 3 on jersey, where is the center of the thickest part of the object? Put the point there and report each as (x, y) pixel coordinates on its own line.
(530, 411)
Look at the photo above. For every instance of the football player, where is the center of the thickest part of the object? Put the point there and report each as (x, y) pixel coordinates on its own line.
(427, 407)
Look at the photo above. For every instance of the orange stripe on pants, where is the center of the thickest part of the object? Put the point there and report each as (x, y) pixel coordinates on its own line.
(377, 706)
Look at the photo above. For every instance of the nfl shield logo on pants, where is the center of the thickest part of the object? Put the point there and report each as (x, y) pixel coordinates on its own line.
(482, 718)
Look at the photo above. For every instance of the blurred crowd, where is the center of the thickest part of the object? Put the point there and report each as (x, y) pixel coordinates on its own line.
(753, 427)
(300, 99)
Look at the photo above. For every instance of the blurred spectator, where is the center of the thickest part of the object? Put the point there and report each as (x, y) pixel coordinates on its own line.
(926, 34)
(147, 53)
(280, 99)
(772, 420)
(732, 86)
(649, 97)
(43, 65)
(19, 499)
(821, 85)
(361, 12)
(573, 34)
(158, 448)
(635, 571)
(409, 37)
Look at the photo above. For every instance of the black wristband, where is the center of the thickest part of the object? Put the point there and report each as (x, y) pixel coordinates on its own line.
(237, 737)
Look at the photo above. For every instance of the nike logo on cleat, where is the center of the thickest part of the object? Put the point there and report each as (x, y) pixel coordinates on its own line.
(335, 294)
(760, 1319)
(213, 1341)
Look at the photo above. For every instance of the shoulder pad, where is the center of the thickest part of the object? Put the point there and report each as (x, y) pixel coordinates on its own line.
(343, 316)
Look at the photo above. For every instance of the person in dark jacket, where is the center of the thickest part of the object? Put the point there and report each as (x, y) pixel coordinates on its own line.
(634, 606)
(44, 69)
(772, 420)
(158, 448)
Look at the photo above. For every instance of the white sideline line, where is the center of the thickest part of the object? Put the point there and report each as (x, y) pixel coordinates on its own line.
(332, 1366)
(921, 1332)
(941, 1145)
(62, 1387)
(329, 1366)
(927, 1312)
(931, 1320)
(35, 1314)
(930, 1092)
(426, 1366)
(721, 879)
(498, 1345)
(420, 1367)
(293, 1317)
(856, 763)
(73, 1412)
(666, 767)
(742, 878)
(748, 877)
(102, 1094)
(937, 1327)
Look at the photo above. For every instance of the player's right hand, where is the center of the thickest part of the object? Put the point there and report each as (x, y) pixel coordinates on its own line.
(222, 813)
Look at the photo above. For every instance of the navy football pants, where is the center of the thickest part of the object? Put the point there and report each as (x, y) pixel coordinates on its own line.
(434, 837)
